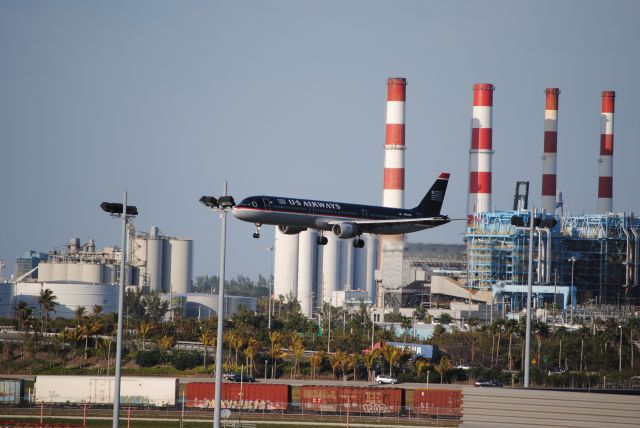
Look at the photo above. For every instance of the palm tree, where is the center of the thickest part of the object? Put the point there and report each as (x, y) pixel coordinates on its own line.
(368, 358)
(316, 362)
(541, 331)
(442, 367)
(420, 366)
(165, 343)
(584, 332)
(47, 302)
(353, 361)
(237, 343)
(560, 333)
(335, 360)
(276, 351)
(96, 328)
(80, 313)
(406, 325)
(85, 332)
(144, 329)
(297, 346)
(510, 327)
(250, 353)
(499, 326)
(207, 339)
(390, 354)
(23, 314)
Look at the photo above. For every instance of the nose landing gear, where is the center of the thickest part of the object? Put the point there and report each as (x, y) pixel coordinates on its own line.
(257, 232)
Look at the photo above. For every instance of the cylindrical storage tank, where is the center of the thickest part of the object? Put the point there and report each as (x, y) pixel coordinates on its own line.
(285, 270)
(166, 265)
(371, 244)
(92, 273)
(59, 272)
(360, 266)
(307, 262)
(154, 264)
(330, 272)
(181, 265)
(109, 274)
(74, 272)
(7, 292)
(45, 271)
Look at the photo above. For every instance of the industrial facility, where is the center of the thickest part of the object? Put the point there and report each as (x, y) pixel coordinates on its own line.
(578, 260)
(83, 275)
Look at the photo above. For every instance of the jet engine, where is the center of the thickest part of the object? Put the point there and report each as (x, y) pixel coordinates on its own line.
(345, 230)
(291, 230)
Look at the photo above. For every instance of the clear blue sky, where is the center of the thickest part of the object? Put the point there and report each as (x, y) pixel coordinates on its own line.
(169, 99)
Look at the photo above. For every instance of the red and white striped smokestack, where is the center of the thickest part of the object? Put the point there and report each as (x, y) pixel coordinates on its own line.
(605, 180)
(393, 193)
(479, 199)
(550, 158)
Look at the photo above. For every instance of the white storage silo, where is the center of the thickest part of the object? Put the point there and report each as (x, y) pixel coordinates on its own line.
(307, 262)
(330, 267)
(371, 244)
(181, 265)
(44, 272)
(166, 265)
(74, 272)
(109, 274)
(154, 264)
(59, 272)
(92, 273)
(285, 270)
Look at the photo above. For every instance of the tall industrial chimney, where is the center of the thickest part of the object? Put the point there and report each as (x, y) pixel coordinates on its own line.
(550, 158)
(479, 199)
(605, 180)
(393, 193)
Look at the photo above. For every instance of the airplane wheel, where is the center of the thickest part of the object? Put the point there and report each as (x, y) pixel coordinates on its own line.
(360, 243)
(256, 235)
(324, 240)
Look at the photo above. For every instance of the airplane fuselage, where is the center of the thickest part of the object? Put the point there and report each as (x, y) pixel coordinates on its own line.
(322, 215)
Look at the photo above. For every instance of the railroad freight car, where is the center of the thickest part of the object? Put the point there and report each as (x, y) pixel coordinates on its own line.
(140, 391)
(238, 396)
(11, 391)
(437, 402)
(358, 400)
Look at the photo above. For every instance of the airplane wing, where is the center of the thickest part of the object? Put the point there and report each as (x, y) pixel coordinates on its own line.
(370, 226)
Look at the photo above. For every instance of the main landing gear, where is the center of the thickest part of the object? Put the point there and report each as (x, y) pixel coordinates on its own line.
(257, 232)
(358, 243)
(322, 240)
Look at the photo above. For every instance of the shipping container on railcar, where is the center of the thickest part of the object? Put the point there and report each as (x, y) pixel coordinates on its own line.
(358, 400)
(437, 402)
(235, 396)
(137, 391)
(11, 391)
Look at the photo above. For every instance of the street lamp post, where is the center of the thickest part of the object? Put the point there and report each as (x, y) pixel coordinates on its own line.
(221, 205)
(271, 250)
(123, 211)
(572, 259)
(620, 351)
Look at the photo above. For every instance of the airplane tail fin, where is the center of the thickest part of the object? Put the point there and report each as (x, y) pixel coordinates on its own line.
(431, 204)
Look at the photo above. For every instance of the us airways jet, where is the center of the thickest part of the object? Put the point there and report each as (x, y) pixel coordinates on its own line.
(344, 220)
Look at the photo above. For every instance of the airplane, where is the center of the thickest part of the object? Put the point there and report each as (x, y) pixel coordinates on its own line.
(344, 220)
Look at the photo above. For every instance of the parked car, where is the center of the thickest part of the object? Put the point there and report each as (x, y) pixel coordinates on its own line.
(488, 383)
(556, 370)
(237, 377)
(386, 379)
(463, 366)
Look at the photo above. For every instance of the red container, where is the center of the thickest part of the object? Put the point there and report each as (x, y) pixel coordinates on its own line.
(437, 402)
(340, 399)
(251, 397)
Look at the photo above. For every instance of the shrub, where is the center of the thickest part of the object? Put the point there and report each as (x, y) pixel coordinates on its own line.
(183, 360)
(149, 358)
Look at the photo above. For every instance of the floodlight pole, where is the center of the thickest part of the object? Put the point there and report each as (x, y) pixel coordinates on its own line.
(220, 337)
(118, 364)
(527, 352)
